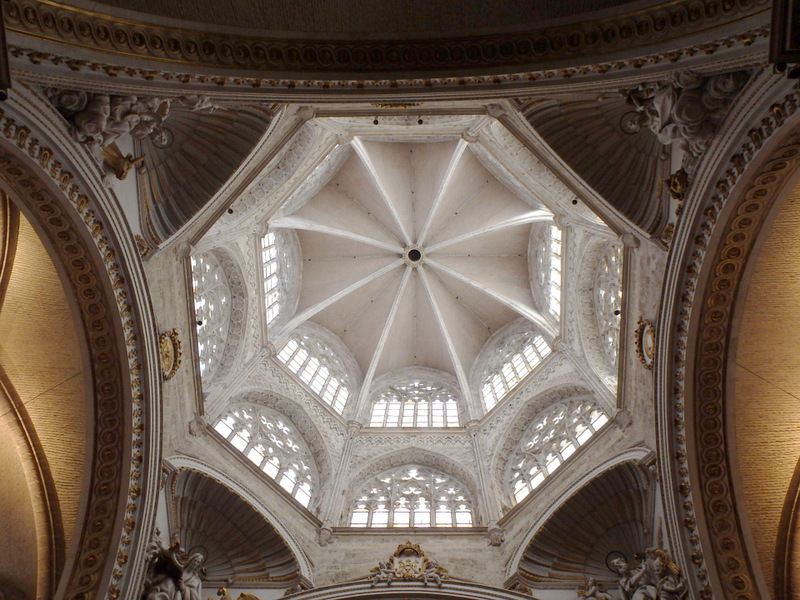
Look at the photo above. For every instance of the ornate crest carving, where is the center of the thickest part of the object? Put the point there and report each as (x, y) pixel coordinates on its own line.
(169, 352)
(408, 563)
(645, 340)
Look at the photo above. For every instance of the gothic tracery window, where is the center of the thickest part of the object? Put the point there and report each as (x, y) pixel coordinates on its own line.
(514, 367)
(269, 441)
(412, 496)
(608, 300)
(414, 403)
(556, 433)
(212, 306)
(269, 265)
(317, 366)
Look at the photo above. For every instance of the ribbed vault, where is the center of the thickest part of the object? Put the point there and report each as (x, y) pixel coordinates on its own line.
(609, 514)
(206, 149)
(240, 546)
(587, 135)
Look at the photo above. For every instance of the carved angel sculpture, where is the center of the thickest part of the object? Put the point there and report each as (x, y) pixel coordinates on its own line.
(172, 574)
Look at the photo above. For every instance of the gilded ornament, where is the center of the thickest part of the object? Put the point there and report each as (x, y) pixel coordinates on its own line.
(408, 563)
(645, 341)
(169, 352)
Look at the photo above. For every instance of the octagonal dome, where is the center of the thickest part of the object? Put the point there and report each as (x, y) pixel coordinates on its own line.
(414, 253)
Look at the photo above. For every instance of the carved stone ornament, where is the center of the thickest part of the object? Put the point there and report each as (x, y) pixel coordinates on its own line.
(654, 575)
(169, 352)
(645, 341)
(494, 534)
(408, 563)
(686, 109)
(325, 533)
(223, 594)
(172, 573)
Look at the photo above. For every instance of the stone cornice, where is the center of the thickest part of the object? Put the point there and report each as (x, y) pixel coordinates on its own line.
(45, 31)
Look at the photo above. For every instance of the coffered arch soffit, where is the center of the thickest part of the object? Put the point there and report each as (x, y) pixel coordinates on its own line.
(724, 220)
(63, 197)
(235, 539)
(286, 532)
(628, 459)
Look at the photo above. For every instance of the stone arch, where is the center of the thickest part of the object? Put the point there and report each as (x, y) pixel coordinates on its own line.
(94, 252)
(188, 462)
(632, 455)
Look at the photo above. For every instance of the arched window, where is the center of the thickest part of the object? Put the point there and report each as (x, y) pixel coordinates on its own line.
(269, 441)
(551, 270)
(514, 367)
(556, 433)
(269, 265)
(414, 403)
(212, 307)
(317, 366)
(608, 300)
(412, 496)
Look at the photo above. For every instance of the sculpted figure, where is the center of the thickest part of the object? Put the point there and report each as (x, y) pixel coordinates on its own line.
(671, 585)
(686, 109)
(432, 572)
(635, 583)
(172, 574)
(383, 571)
(594, 591)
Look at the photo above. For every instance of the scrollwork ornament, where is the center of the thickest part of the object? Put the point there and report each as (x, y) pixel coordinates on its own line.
(645, 342)
(169, 353)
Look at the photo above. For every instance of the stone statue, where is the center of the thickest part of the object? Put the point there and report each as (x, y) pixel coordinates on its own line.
(432, 572)
(383, 573)
(594, 591)
(686, 109)
(172, 574)
(635, 582)
(655, 577)
(98, 120)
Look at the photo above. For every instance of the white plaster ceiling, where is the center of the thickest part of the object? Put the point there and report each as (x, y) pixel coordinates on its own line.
(360, 278)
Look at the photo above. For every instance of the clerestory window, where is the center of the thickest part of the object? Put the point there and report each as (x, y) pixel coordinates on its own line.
(499, 383)
(552, 259)
(415, 403)
(212, 306)
(555, 435)
(268, 440)
(269, 265)
(412, 496)
(315, 364)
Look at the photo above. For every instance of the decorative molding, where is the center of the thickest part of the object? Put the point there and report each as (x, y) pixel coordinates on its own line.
(103, 317)
(169, 351)
(711, 336)
(517, 75)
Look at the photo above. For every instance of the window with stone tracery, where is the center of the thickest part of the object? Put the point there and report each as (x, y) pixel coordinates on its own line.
(412, 496)
(269, 265)
(317, 366)
(269, 441)
(551, 264)
(555, 435)
(608, 300)
(212, 307)
(513, 368)
(414, 403)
